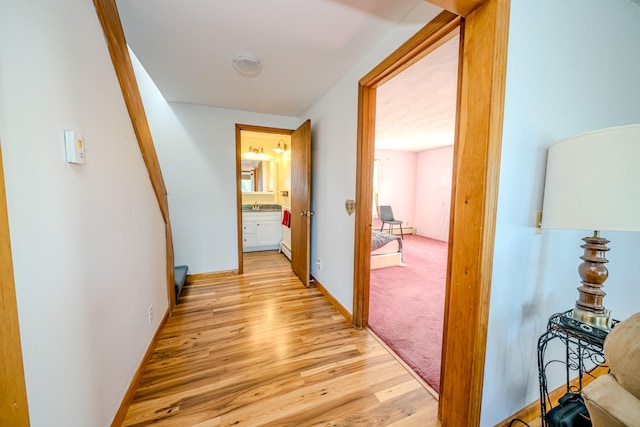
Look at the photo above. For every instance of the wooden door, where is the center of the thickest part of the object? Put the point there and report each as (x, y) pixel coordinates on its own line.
(301, 201)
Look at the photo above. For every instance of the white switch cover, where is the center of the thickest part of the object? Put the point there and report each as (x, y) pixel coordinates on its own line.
(74, 145)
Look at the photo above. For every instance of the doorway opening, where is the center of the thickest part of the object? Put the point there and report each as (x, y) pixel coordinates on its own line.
(484, 35)
(273, 197)
(413, 166)
(264, 185)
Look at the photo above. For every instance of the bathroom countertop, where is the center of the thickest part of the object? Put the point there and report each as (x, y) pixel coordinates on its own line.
(261, 208)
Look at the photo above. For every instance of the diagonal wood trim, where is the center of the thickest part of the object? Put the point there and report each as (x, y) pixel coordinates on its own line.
(131, 391)
(459, 7)
(110, 20)
(474, 204)
(13, 405)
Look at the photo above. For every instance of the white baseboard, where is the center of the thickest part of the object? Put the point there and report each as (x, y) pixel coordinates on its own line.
(396, 230)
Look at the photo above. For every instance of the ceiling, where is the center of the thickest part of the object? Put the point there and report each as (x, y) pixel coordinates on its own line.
(416, 110)
(305, 47)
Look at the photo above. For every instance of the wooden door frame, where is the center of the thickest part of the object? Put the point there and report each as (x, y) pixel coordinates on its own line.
(13, 405)
(478, 141)
(252, 128)
(432, 36)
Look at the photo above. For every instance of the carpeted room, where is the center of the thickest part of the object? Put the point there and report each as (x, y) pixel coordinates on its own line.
(406, 305)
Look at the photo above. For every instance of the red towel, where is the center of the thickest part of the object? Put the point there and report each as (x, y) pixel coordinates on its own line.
(286, 218)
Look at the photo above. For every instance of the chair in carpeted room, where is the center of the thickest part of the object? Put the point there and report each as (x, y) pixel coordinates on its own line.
(386, 216)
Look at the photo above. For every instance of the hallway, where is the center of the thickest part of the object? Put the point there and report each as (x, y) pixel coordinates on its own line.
(261, 349)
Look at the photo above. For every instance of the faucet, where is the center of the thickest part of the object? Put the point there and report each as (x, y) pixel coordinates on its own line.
(255, 206)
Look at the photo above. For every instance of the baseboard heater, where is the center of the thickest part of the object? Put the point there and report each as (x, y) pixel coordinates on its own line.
(285, 249)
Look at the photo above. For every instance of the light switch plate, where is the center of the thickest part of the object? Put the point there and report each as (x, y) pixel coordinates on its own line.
(74, 146)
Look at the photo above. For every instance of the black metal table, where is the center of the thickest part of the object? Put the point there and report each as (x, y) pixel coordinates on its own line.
(584, 344)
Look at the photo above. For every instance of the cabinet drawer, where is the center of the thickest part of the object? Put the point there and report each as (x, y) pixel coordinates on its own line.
(248, 240)
(248, 227)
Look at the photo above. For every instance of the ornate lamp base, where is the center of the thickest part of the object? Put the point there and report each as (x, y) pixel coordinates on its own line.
(592, 271)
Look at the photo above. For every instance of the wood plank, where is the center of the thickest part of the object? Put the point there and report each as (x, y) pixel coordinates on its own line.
(13, 405)
(262, 349)
(476, 172)
(265, 260)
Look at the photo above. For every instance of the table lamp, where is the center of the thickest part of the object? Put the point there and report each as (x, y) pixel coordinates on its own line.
(593, 183)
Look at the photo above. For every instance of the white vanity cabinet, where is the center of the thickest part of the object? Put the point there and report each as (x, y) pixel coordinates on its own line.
(261, 231)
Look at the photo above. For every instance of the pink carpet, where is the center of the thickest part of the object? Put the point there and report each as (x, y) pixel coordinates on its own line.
(406, 306)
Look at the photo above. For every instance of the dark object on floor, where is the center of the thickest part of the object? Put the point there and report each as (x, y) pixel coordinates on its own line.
(180, 277)
(570, 412)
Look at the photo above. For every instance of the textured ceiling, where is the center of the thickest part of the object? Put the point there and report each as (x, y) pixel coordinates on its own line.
(416, 110)
(187, 48)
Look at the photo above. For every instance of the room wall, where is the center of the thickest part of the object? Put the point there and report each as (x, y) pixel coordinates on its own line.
(196, 148)
(333, 173)
(433, 193)
(578, 72)
(397, 184)
(88, 241)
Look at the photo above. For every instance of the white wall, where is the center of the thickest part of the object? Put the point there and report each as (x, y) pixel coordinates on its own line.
(573, 66)
(397, 183)
(333, 173)
(88, 241)
(433, 193)
(196, 147)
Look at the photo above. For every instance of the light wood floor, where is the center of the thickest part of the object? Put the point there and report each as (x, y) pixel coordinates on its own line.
(262, 350)
(261, 260)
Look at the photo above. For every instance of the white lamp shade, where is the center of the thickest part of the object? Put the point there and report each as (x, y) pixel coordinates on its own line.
(593, 181)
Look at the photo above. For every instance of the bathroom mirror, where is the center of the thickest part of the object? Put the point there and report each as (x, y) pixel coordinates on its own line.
(258, 176)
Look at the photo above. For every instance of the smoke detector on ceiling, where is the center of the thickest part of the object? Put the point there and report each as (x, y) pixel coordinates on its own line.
(247, 65)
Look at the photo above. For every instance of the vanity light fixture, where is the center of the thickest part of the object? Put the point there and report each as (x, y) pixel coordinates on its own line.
(247, 65)
(281, 148)
(256, 153)
(251, 152)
